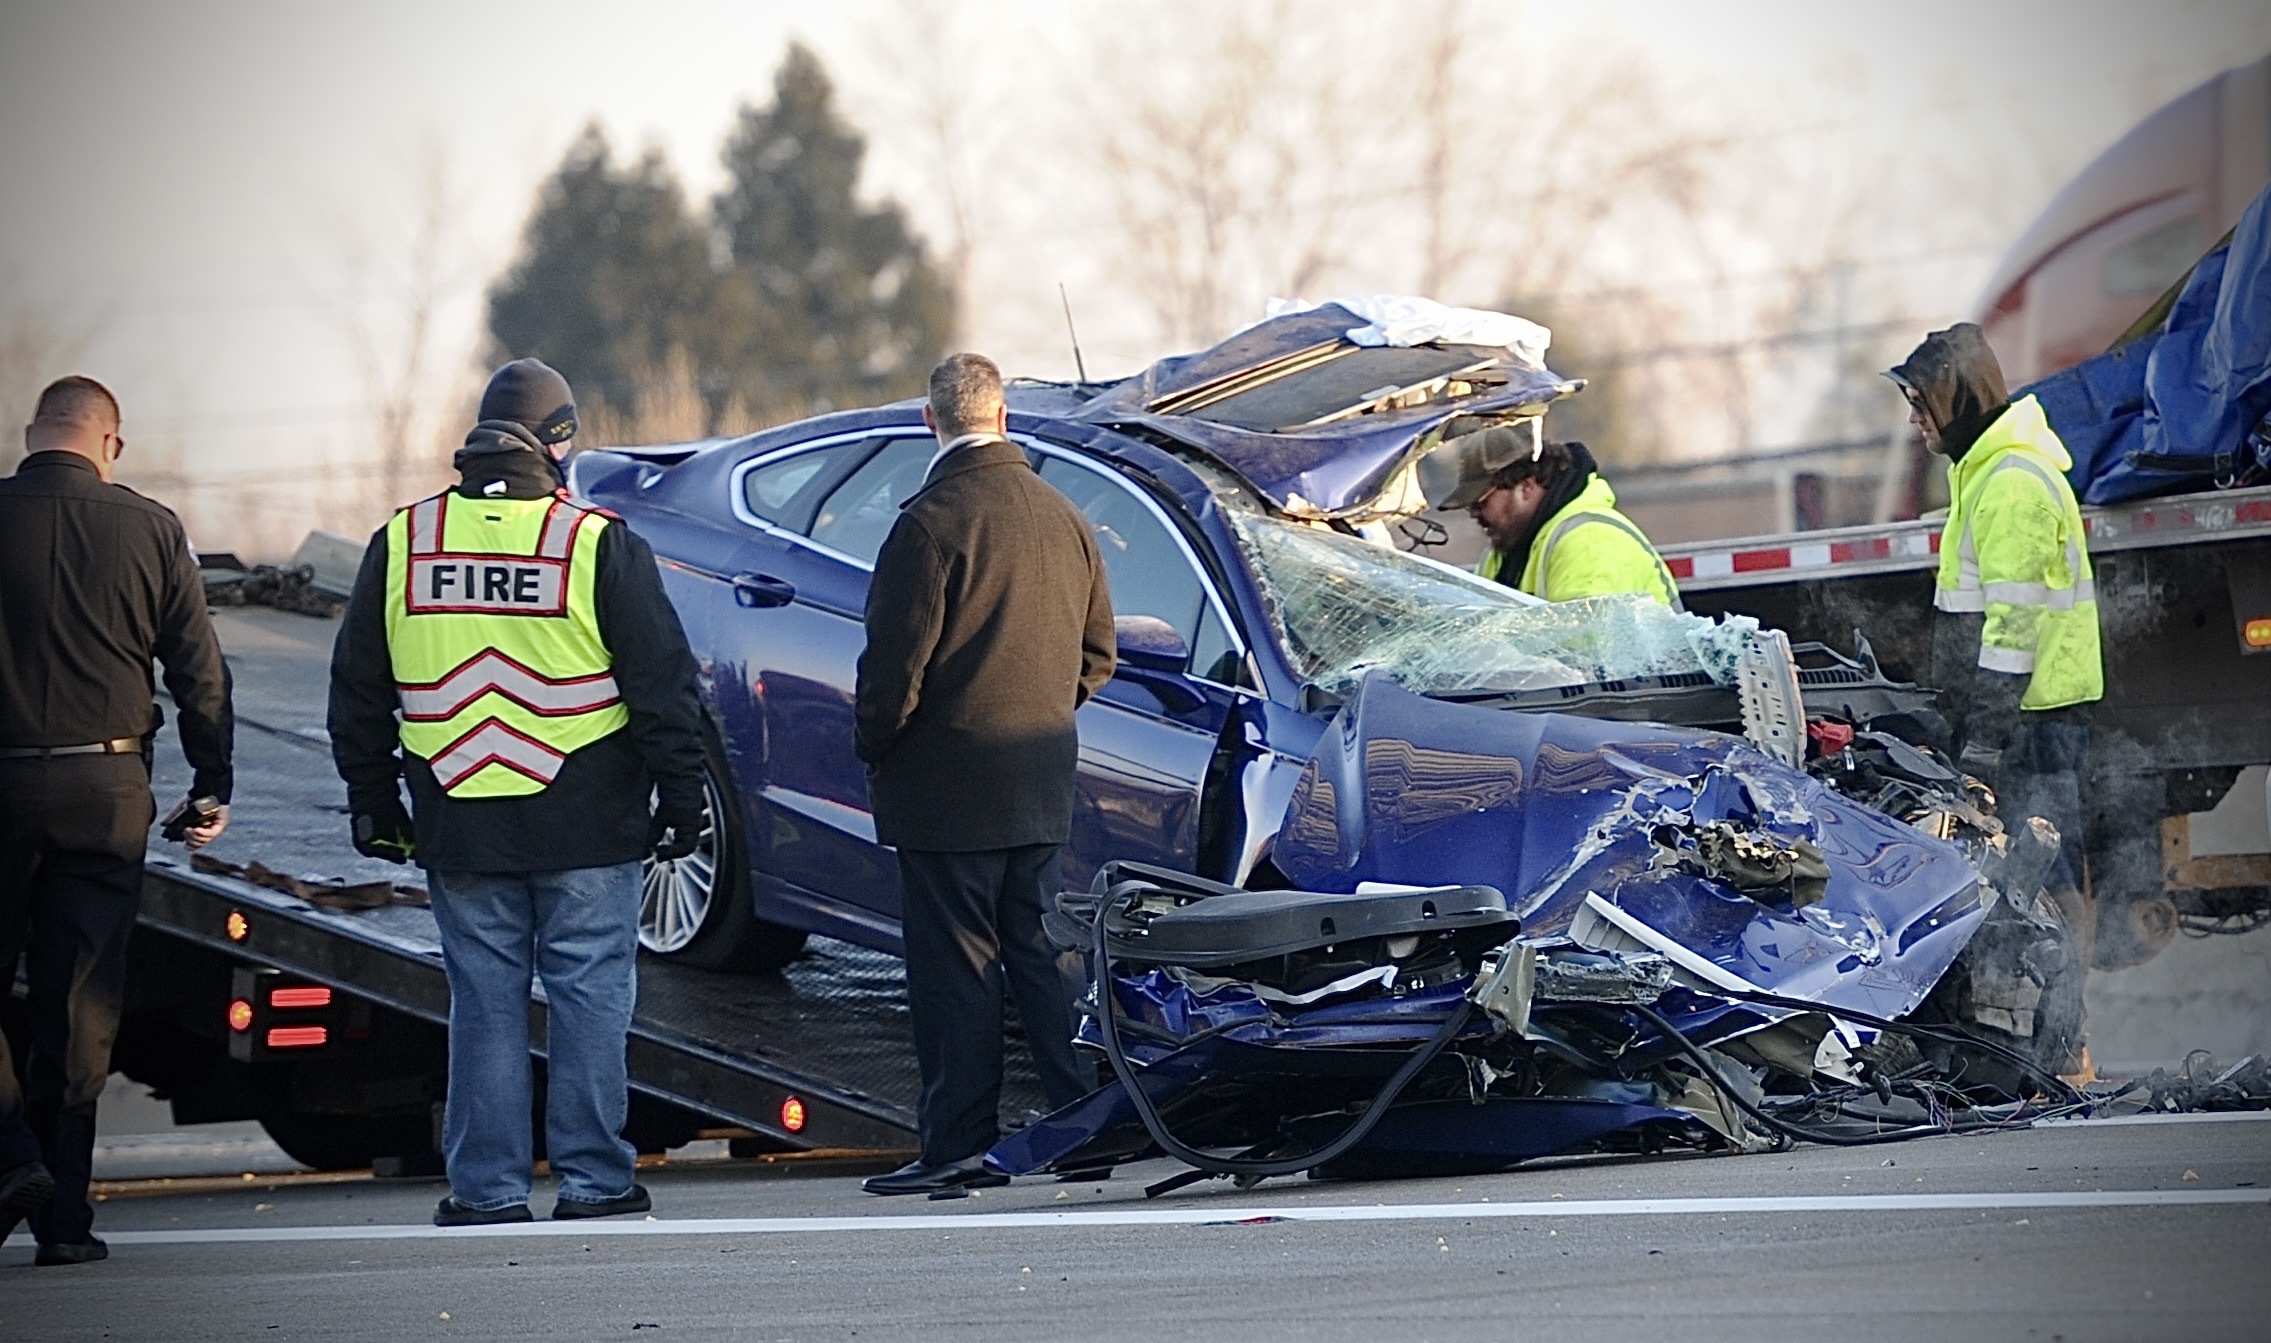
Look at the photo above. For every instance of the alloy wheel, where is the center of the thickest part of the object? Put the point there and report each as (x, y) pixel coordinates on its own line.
(675, 901)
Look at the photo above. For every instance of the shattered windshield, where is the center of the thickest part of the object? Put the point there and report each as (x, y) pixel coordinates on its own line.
(1343, 607)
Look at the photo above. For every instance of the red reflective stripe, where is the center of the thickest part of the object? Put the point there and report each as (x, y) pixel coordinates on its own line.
(2258, 510)
(1681, 566)
(1935, 544)
(1847, 552)
(1747, 561)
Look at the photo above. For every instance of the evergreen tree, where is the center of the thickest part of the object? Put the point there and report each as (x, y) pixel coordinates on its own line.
(828, 304)
(613, 280)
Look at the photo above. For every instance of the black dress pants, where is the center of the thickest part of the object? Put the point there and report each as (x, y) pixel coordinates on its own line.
(973, 920)
(71, 838)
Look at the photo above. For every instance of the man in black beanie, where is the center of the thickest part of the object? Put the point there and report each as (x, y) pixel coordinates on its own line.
(544, 691)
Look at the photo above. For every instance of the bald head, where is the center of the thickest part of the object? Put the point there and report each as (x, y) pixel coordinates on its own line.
(78, 415)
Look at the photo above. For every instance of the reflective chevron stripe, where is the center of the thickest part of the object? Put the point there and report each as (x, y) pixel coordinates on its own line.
(560, 525)
(493, 743)
(426, 526)
(491, 670)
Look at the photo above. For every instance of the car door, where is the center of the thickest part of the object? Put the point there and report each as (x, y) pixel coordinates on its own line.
(1148, 738)
(787, 637)
(820, 831)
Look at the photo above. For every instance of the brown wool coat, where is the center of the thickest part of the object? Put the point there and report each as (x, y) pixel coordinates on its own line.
(988, 624)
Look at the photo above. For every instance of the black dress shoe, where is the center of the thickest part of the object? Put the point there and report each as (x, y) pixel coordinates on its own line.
(23, 1191)
(85, 1251)
(569, 1209)
(450, 1212)
(937, 1178)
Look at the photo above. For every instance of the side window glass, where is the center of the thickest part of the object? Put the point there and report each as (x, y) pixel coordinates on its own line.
(857, 515)
(783, 492)
(1149, 574)
(1213, 655)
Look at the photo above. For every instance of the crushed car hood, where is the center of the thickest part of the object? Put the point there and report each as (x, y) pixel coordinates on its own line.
(1588, 826)
(1315, 422)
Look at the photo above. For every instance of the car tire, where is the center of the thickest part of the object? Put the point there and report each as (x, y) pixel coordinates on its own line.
(697, 910)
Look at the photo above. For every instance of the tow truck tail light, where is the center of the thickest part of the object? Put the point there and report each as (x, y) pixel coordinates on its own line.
(792, 1115)
(271, 1011)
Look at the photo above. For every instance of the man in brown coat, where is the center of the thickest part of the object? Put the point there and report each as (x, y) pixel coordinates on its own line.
(988, 624)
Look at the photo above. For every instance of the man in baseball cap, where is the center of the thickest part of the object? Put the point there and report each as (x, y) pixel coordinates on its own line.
(1552, 520)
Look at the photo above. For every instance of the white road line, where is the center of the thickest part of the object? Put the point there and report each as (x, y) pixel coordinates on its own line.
(2209, 1117)
(1201, 1215)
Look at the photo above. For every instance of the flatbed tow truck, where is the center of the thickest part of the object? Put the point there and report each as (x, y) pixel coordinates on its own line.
(326, 1024)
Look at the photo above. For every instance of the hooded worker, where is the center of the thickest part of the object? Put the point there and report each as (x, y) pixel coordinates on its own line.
(2015, 572)
(510, 656)
(1552, 520)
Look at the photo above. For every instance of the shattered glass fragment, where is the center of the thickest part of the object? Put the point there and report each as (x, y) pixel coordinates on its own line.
(1345, 607)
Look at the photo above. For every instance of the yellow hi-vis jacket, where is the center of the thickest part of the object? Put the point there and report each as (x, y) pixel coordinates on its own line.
(2014, 548)
(494, 636)
(1588, 549)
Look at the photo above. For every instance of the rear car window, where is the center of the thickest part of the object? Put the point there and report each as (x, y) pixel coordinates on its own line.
(784, 491)
(857, 515)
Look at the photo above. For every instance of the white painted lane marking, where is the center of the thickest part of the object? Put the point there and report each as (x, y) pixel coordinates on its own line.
(1197, 1215)
(2211, 1117)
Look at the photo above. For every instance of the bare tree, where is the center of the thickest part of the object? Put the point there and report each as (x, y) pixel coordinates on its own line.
(1233, 144)
(406, 255)
(929, 75)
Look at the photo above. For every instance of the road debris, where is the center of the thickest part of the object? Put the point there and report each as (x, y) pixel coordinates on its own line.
(323, 892)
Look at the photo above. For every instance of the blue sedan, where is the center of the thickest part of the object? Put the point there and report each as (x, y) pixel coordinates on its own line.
(1296, 703)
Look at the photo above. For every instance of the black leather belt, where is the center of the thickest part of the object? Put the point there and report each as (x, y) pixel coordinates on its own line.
(115, 746)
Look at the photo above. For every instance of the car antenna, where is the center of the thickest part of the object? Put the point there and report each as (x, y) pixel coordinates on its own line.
(1079, 365)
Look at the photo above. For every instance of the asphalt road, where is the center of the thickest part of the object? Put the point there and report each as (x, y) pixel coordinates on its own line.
(2118, 1230)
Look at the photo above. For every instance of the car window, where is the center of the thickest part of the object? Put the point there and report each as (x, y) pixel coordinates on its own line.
(1213, 654)
(1149, 573)
(857, 515)
(782, 492)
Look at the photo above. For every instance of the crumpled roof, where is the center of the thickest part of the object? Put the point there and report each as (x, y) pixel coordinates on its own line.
(1313, 421)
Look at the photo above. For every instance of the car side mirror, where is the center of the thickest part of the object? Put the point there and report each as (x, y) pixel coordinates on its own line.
(1147, 643)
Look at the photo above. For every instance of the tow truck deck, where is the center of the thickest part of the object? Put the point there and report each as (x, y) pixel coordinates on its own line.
(817, 1056)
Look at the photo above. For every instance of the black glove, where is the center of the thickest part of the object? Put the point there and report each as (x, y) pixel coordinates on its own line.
(674, 832)
(381, 828)
(1991, 720)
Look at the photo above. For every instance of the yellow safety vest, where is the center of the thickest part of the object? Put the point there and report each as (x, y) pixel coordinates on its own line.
(2019, 555)
(1588, 549)
(494, 637)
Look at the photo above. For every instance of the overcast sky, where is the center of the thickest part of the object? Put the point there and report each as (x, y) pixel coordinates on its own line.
(188, 182)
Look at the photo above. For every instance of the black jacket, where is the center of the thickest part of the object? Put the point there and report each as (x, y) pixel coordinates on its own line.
(988, 624)
(95, 581)
(595, 813)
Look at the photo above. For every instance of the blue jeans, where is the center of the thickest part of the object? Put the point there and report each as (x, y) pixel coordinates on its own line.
(579, 931)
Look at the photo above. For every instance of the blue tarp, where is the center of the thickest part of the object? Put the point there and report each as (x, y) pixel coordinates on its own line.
(2178, 409)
